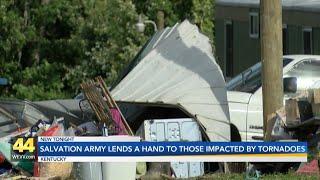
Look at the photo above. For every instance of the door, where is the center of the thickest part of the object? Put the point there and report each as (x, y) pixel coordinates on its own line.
(229, 48)
(307, 41)
(255, 116)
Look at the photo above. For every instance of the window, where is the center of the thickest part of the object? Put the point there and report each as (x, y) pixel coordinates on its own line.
(307, 40)
(250, 80)
(229, 48)
(254, 25)
(284, 39)
(307, 74)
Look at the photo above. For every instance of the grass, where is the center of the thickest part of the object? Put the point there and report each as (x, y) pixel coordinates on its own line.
(289, 176)
(220, 176)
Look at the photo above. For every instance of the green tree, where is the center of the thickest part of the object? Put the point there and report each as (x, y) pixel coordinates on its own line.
(48, 47)
(110, 38)
(199, 12)
(28, 30)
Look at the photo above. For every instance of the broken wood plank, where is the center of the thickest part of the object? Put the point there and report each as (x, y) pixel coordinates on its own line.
(100, 100)
(98, 105)
(113, 103)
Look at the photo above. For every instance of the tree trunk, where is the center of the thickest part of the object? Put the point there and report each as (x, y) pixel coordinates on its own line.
(160, 20)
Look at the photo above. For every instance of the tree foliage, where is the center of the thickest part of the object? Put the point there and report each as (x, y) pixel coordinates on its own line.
(199, 12)
(48, 47)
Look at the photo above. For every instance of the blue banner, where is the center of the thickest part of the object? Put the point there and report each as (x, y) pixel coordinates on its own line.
(116, 149)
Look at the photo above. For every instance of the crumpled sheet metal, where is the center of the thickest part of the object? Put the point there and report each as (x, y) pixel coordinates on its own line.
(181, 70)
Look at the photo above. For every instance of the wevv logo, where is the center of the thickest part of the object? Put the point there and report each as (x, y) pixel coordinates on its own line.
(23, 149)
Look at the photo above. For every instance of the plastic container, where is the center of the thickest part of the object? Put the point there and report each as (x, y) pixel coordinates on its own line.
(107, 170)
(120, 170)
(87, 170)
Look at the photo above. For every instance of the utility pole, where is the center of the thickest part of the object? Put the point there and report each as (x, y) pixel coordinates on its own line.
(271, 55)
(160, 20)
(159, 167)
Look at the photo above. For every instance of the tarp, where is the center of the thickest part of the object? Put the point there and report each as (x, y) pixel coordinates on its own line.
(180, 70)
(70, 109)
(15, 114)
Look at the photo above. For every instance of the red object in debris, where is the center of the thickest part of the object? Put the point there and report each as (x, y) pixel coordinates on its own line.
(36, 171)
(52, 131)
(2, 158)
(309, 168)
(116, 116)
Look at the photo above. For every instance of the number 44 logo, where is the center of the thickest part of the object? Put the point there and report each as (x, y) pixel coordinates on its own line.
(22, 146)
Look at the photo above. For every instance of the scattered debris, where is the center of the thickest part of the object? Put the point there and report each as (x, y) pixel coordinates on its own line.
(36, 123)
(105, 107)
(309, 168)
(298, 120)
(164, 80)
(62, 170)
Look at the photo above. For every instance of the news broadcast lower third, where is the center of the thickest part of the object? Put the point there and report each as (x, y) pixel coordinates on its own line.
(165, 89)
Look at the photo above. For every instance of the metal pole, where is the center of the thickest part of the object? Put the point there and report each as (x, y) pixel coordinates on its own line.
(271, 55)
(153, 23)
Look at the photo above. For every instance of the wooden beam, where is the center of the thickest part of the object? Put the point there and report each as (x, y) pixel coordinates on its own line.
(271, 55)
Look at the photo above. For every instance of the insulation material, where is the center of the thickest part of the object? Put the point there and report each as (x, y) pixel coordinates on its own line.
(180, 70)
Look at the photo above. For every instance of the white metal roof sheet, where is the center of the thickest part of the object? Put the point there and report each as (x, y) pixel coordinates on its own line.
(181, 70)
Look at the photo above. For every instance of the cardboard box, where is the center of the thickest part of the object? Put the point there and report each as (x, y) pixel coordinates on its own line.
(292, 112)
(297, 111)
(316, 109)
(316, 96)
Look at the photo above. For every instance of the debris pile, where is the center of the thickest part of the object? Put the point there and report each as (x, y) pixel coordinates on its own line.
(300, 113)
(108, 121)
(28, 167)
(298, 120)
(105, 107)
(303, 107)
(174, 76)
